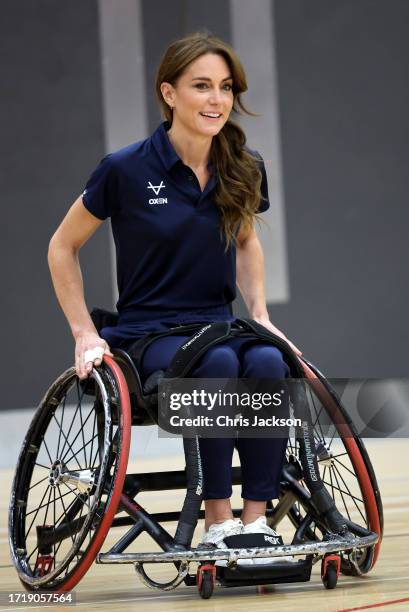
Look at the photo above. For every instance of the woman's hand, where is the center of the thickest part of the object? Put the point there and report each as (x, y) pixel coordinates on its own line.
(265, 322)
(89, 351)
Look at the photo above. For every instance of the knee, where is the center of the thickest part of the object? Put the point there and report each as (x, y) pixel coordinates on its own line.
(264, 361)
(218, 362)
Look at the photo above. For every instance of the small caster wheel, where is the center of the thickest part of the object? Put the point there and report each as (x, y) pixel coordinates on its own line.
(330, 567)
(206, 577)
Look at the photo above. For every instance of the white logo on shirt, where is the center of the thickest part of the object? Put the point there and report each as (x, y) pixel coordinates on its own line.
(156, 188)
(158, 201)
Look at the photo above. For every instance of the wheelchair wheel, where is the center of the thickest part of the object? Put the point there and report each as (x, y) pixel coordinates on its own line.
(69, 478)
(345, 469)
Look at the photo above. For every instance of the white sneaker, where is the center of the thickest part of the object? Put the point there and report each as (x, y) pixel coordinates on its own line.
(260, 526)
(218, 531)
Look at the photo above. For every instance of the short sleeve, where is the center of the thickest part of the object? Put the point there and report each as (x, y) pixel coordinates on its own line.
(264, 203)
(100, 195)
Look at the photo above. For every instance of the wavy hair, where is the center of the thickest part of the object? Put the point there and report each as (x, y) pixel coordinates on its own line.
(238, 192)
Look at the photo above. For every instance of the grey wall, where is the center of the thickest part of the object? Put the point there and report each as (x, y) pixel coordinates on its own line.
(343, 92)
(51, 139)
(343, 71)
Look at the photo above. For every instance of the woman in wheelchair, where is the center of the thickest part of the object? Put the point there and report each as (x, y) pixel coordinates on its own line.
(183, 205)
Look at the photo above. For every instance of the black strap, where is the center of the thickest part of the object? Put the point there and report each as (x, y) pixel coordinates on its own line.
(137, 350)
(189, 353)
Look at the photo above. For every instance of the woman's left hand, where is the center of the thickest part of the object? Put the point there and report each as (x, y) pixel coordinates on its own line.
(265, 321)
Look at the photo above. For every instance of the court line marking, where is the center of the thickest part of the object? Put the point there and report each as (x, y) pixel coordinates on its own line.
(286, 588)
(377, 605)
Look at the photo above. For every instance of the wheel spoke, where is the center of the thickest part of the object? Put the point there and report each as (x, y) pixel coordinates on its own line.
(75, 413)
(93, 434)
(83, 439)
(66, 461)
(353, 497)
(345, 467)
(82, 504)
(54, 524)
(69, 507)
(332, 484)
(63, 505)
(95, 456)
(48, 452)
(318, 416)
(70, 447)
(36, 511)
(43, 506)
(37, 483)
(78, 433)
(339, 455)
(342, 495)
(335, 488)
(78, 495)
(333, 435)
(31, 554)
(48, 506)
(62, 421)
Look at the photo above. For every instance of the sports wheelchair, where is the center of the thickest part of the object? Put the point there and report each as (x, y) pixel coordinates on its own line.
(71, 485)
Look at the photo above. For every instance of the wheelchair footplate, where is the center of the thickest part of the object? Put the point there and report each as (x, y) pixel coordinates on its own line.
(226, 568)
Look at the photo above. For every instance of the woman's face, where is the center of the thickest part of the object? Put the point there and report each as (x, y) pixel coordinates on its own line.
(202, 98)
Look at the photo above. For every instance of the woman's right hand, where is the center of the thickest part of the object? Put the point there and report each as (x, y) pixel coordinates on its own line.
(85, 342)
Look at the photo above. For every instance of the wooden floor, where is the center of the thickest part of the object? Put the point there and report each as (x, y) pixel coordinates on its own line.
(116, 587)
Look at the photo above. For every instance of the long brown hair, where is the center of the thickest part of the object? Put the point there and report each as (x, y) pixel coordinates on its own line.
(238, 190)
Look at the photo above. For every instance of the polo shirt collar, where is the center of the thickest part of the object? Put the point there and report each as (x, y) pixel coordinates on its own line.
(164, 147)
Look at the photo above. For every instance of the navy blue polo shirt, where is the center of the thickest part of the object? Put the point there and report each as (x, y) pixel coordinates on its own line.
(166, 230)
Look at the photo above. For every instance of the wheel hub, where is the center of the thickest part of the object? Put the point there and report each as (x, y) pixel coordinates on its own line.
(324, 454)
(83, 480)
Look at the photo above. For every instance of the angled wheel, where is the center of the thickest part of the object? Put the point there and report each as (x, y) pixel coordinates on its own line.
(69, 478)
(345, 469)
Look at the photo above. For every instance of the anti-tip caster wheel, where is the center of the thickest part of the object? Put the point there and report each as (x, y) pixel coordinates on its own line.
(206, 578)
(330, 567)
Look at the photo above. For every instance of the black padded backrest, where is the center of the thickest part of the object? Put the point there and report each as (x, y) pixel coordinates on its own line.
(103, 318)
(144, 408)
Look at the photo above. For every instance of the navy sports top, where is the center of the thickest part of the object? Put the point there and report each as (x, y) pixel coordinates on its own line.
(166, 230)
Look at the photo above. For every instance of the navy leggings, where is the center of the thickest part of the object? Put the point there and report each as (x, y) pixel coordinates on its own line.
(262, 458)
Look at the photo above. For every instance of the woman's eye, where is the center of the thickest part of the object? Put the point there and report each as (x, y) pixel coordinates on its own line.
(226, 86)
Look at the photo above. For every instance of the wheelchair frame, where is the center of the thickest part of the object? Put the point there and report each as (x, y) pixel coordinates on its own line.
(105, 490)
